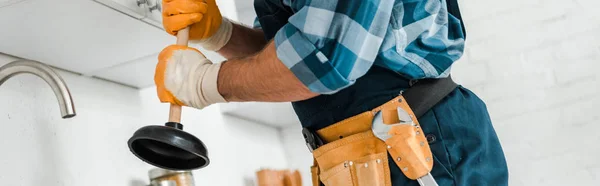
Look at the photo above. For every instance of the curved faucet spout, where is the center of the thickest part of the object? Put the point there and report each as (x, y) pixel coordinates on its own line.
(43, 71)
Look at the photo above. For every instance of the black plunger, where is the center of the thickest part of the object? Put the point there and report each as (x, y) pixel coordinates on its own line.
(169, 147)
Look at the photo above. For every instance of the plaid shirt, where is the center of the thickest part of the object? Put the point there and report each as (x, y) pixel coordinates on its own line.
(328, 44)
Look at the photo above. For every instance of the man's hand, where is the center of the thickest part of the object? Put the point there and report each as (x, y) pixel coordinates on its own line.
(185, 77)
(202, 16)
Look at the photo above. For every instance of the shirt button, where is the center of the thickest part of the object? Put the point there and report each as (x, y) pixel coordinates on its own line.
(430, 138)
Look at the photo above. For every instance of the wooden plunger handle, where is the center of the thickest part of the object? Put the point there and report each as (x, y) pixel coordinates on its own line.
(175, 111)
(183, 36)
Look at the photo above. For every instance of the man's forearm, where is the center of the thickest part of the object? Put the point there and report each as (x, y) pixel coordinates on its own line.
(244, 42)
(260, 77)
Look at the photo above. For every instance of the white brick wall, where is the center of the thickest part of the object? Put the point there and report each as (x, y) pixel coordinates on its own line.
(535, 64)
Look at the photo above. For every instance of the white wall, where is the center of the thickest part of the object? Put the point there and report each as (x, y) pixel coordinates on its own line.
(245, 11)
(296, 152)
(535, 64)
(40, 148)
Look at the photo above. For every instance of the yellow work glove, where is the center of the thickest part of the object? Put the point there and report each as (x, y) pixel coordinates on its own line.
(207, 26)
(185, 77)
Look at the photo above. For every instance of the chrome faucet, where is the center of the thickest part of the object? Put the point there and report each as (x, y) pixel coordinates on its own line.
(67, 109)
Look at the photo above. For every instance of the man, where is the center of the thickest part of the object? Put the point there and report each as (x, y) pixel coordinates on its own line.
(335, 60)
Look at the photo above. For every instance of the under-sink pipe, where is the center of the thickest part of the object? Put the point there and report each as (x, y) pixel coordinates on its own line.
(67, 109)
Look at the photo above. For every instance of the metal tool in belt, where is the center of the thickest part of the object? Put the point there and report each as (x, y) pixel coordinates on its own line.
(407, 145)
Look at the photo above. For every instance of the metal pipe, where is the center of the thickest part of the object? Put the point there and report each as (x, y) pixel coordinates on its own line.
(67, 109)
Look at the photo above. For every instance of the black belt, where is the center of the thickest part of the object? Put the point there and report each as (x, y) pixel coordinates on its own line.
(426, 93)
(421, 97)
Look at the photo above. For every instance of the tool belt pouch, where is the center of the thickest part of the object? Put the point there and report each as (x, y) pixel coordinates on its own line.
(360, 159)
(357, 160)
(410, 151)
(407, 144)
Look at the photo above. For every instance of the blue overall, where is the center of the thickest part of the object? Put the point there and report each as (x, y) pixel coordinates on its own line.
(465, 146)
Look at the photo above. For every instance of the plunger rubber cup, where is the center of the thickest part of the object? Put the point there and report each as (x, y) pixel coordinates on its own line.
(169, 147)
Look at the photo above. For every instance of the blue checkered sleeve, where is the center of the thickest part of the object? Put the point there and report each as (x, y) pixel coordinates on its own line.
(256, 23)
(329, 44)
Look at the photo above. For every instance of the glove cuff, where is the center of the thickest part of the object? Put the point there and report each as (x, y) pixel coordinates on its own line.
(219, 39)
(210, 89)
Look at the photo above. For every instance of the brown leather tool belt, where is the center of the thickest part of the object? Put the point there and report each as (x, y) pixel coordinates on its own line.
(348, 153)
